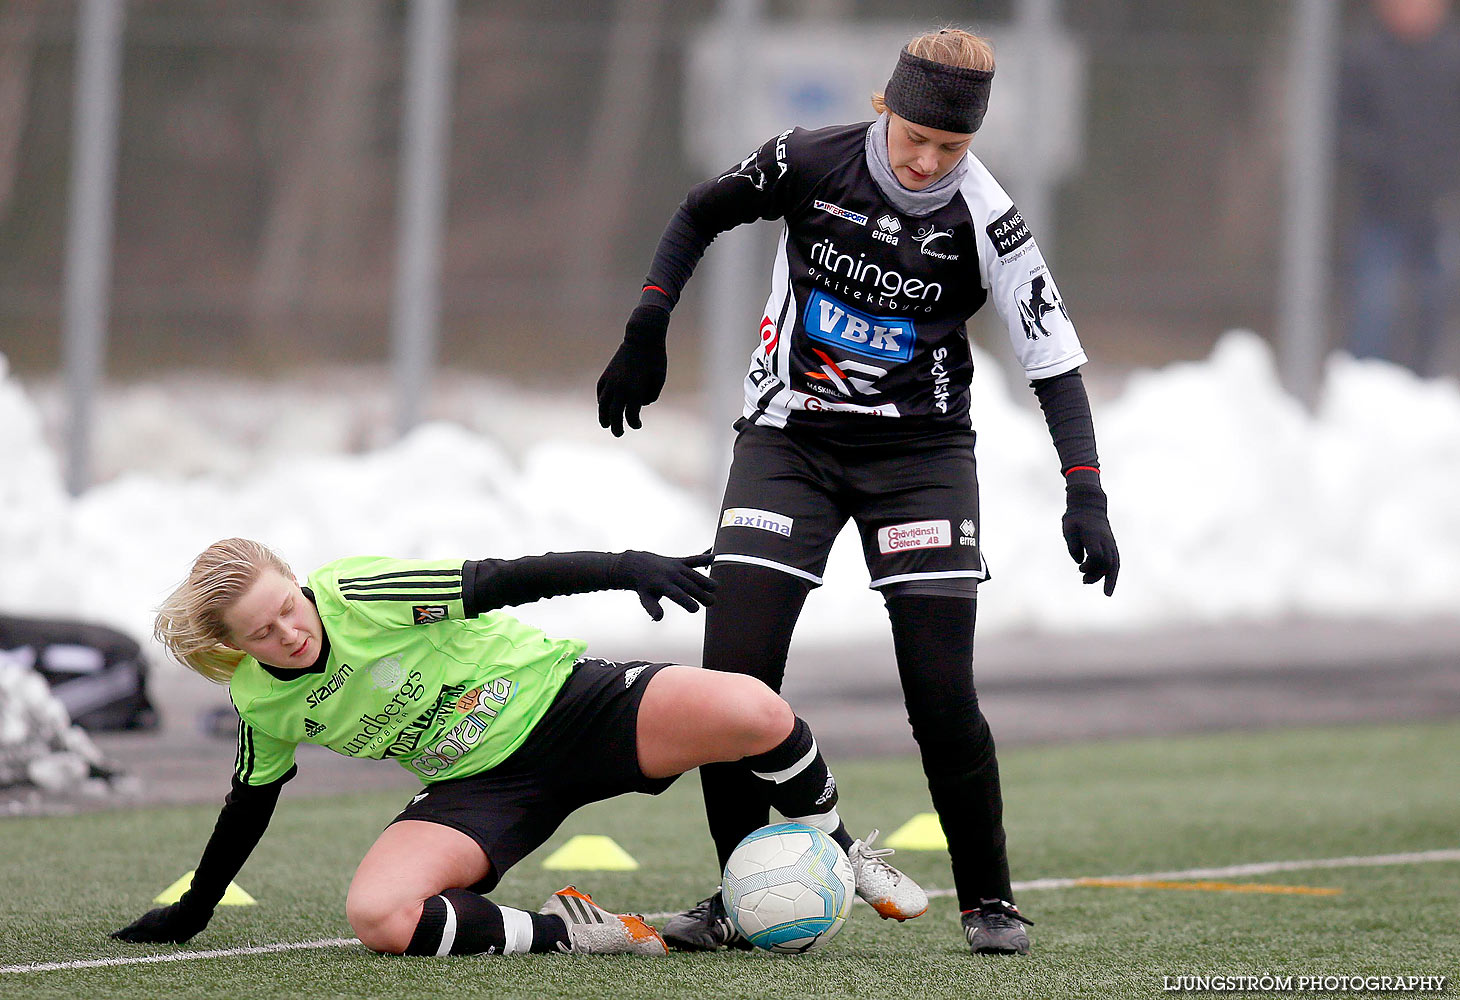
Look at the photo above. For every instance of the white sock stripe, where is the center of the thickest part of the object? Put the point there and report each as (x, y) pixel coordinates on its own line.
(826, 822)
(448, 933)
(783, 776)
(517, 926)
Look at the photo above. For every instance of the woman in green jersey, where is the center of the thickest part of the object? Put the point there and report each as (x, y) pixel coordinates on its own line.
(509, 730)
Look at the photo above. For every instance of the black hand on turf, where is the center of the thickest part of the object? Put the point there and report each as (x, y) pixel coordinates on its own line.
(635, 374)
(1088, 535)
(654, 577)
(165, 925)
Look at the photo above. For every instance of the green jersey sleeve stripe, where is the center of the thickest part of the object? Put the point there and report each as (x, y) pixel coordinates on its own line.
(395, 584)
(245, 752)
(417, 596)
(398, 574)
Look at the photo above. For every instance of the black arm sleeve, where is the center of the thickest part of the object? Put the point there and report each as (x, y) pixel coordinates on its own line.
(498, 583)
(757, 188)
(1067, 412)
(680, 248)
(241, 823)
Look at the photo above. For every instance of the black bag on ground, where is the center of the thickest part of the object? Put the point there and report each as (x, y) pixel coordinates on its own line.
(98, 673)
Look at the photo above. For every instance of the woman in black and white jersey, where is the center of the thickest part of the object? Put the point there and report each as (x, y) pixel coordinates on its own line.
(857, 405)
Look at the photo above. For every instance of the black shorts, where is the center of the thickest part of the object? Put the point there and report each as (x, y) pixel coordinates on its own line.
(584, 749)
(915, 505)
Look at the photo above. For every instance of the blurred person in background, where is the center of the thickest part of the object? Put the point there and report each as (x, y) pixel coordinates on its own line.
(509, 730)
(1399, 136)
(857, 406)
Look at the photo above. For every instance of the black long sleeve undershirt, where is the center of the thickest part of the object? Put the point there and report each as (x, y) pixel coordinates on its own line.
(500, 583)
(1066, 409)
(245, 816)
(709, 209)
(675, 260)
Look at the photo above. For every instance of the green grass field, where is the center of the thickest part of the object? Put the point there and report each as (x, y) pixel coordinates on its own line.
(1072, 811)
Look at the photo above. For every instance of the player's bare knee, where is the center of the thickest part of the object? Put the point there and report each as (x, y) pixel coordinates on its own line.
(766, 718)
(380, 925)
(389, 937)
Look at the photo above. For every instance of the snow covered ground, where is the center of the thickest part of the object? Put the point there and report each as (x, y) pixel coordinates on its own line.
(1229, 500)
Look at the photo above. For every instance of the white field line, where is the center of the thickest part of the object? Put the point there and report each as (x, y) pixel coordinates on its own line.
(179, 956)
(1259, 868)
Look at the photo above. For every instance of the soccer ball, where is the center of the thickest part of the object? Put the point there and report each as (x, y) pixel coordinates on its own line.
(788, 888)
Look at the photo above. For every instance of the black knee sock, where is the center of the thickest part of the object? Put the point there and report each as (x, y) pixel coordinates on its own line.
(458, 922)
(933, 638)
(799, 784)
(971, 810)
(747, 631)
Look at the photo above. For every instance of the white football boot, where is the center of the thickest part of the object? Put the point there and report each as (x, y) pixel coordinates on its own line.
(892, 894)
(592, 930)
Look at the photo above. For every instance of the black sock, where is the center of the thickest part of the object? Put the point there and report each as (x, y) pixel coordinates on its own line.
(459, 922)
(970, 809)
(933, 638)
(799, 784)
(747, 631)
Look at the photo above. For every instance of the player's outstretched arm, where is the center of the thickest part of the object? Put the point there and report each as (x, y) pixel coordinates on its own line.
(498, 583)
(241, 823)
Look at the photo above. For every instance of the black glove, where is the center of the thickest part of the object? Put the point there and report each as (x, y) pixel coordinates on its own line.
(655, 576)
(636, 372)
(165, 925)
(1087, 529)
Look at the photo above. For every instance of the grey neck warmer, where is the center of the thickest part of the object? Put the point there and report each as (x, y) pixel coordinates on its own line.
(914, 203)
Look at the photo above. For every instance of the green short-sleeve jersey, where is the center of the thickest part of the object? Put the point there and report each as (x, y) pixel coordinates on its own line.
(407, 676)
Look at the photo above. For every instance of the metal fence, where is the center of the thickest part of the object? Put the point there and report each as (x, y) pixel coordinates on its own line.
(257, 204)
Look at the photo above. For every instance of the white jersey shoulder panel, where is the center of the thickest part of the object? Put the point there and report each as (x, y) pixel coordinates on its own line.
(1018, 280)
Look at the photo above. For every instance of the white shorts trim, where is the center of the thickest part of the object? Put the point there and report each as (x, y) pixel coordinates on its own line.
(952, 574)
(757, 561)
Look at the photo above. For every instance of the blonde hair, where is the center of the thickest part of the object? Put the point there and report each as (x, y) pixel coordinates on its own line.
(951, 47)
(190, 622)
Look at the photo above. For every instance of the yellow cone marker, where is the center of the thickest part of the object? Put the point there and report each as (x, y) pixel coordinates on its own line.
(232, 896)
(921, 833)
(591, 853)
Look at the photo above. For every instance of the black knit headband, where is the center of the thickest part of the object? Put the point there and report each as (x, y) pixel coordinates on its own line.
(936, 95)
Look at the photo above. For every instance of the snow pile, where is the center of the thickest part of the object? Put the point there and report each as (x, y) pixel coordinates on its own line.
(38, 743)
(1229, 500)
(1232, 502)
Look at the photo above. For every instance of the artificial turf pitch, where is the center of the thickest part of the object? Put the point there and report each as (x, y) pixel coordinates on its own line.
(1079, 810)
